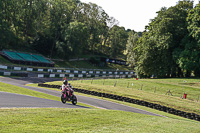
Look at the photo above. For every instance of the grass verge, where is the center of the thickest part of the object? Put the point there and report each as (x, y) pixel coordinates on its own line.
(19, 90)
(84, 120)
(125, 103)
(159, 97)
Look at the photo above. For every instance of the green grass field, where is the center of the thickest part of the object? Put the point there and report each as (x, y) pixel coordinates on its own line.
(18, 90)
(153, 90)
(47, 120)
(160, 86)
(125, 103)
(89, 120)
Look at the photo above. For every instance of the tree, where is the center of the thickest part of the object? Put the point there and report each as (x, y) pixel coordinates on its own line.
(95, 18)
(118, 40)
(189, 57)
(163, 37)
(194, 22)
(57, 27)
(8, 38)
(131, 48)
(74, 40)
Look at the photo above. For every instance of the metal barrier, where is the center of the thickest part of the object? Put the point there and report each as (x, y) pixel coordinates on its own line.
(68, 72)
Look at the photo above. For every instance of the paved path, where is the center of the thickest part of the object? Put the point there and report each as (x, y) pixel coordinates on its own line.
(83, 99)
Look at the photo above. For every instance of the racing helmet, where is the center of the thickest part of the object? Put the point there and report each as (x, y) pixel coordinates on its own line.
(65, 82)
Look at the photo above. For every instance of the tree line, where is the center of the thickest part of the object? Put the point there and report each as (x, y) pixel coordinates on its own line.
(60, 28)
(170, 44)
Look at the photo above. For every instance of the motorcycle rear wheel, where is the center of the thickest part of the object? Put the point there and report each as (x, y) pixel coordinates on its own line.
(74, 100)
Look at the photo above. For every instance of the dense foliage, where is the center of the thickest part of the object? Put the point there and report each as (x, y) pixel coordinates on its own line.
(60, 28)
(170, 45)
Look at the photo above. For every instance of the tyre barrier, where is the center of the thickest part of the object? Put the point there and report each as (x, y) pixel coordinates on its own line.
(159, 107)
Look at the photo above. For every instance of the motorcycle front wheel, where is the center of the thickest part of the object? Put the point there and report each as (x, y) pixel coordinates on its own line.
(63, 100)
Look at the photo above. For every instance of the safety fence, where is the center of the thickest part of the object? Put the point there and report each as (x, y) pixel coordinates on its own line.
(17, 74)
(66, 72)
(192, 116)
(20, 74)
(82, 76)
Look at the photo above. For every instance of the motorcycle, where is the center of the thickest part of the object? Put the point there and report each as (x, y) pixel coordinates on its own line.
(68, 95)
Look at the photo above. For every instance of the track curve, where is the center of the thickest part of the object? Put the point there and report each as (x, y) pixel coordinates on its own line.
(103, 104)
(10, 100)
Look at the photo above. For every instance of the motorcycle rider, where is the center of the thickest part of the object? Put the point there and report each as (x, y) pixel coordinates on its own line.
(67, 86)
(67, 93)
(64, 86)
(70, 88)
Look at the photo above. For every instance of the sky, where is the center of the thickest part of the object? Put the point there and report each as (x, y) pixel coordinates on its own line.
(133, 14)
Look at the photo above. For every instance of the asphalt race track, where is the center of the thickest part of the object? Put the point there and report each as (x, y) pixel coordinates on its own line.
(9, 100)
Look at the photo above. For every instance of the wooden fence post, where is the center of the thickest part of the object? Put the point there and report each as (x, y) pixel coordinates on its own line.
(141, 86)
(128, 85)
(115, 83)
(169, 92)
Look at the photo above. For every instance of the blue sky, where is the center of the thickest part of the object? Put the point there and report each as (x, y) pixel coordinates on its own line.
(133, 14)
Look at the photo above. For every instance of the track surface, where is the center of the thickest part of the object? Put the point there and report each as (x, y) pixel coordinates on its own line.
(15, 100)
(10, 100)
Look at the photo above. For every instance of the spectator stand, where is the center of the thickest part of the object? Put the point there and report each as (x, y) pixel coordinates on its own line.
(26, 58)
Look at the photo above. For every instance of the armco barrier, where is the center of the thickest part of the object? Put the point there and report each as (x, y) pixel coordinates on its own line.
(119, 73)
(192, 116)
(20, 74)
(17, 74)
(53, 75)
